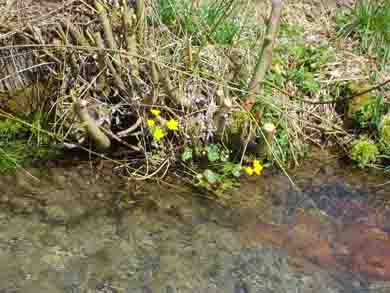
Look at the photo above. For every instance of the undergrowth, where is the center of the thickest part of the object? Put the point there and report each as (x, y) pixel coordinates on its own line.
(369, 23)
(209, 22)
(22, 142)
(177, 98)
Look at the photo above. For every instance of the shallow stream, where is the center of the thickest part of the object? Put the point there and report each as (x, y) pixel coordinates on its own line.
(77, 227)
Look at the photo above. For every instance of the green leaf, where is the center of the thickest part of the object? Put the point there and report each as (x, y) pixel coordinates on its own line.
(225, 155)
(211, 176)
(187, 154)
(230, 168)
(236, 172)
(212, 152)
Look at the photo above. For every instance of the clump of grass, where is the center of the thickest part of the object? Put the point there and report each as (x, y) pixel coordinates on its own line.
(369, 22)
(23, 141)
(21, 153)
(10, 129)
(11, 156)
(207, 22)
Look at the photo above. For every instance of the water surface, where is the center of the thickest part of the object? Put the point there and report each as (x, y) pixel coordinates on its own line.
(77, 227)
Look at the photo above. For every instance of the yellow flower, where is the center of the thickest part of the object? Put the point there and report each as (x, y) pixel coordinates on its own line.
(150, 123)
(256, 163)
(158, 133)
(173, 124)
(257, 167)
(155, 112)
(249, 171)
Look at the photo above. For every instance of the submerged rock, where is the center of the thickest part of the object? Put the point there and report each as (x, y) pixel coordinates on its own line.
(357, 247)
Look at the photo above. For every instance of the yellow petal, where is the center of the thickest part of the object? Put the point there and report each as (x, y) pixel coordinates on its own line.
(258, 170)
(256, 163)
(257, 167)
(158, 134)
(155, 112)
(150, 123)
(173, 124)
(249, 171)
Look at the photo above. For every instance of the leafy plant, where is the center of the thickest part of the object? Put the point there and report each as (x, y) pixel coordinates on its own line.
(308, 60)
(187, 154)
(369, 114)
(305, 81)
(366, 110)
(220, 172)
(364, 152)
(290, 31)
(301, 63)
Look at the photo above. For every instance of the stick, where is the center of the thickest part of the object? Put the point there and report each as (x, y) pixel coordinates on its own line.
(93, 130)
(265, 58)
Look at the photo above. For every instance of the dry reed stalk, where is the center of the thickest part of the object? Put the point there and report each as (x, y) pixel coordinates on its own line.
(140, 12)
(173, 93)
(77, 35)
(101, 80)
(107, 28)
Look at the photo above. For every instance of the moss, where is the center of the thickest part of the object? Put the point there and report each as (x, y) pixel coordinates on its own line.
(357, 105)
(359, 109)
(364, 152)
(26, 100)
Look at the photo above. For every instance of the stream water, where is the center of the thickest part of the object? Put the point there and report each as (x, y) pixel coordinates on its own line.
(76, 227)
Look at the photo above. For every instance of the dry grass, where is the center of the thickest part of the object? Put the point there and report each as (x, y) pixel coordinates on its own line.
(169, 72)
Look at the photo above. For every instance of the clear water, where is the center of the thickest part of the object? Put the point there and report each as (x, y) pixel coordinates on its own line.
(79, 228)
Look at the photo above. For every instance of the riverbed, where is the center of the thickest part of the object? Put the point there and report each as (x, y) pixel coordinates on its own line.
(77, 226)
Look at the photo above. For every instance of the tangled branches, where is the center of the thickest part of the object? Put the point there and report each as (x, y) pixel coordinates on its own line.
(119, 73)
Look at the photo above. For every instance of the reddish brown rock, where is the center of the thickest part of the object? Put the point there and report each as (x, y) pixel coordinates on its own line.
(359, 248)
(369, 250)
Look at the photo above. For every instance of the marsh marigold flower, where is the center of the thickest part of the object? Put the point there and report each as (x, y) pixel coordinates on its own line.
(158, 133)
(249, 171)
(257, 167)
(155, 112)
(150, 123)
(173, 124)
